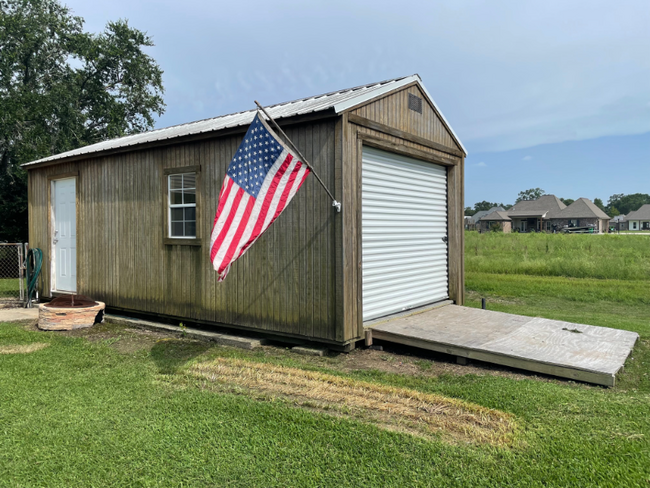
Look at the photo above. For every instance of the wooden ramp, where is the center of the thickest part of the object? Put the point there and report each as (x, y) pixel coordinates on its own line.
(580, 352)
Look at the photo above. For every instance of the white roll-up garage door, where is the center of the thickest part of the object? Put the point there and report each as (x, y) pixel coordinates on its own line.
(404, 233)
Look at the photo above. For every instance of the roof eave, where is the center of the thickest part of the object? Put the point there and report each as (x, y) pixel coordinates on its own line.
(197, 136)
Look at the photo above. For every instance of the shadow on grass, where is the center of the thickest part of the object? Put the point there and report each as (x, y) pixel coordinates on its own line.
(170, 355)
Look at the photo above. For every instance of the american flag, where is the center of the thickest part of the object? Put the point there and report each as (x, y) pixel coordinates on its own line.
(261, 180)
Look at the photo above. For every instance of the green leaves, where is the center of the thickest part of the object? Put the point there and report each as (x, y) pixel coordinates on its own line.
(532, 194)
(62, 88)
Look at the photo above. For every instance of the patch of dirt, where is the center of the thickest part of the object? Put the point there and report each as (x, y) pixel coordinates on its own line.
(23, 348)
(125, 340)
(395, 358)
(405, 360)
(386, 406)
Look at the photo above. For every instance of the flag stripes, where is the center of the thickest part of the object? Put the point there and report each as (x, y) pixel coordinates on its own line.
(243, 215)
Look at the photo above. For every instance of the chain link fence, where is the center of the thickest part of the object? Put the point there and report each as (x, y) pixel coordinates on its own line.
(12, 274)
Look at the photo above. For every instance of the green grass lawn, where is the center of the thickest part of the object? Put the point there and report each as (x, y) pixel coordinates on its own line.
(83, 413)
(9, 288)
(113, 407)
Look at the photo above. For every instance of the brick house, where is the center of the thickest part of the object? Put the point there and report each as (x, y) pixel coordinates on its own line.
(549, 214)
(535, 215)
(498, 218)
(581, 213)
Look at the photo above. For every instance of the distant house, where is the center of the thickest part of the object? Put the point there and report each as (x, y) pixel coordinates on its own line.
(478, 215)
(581, 213)
(496, 219)
(639, 219)
(548, 214)
(535, 215)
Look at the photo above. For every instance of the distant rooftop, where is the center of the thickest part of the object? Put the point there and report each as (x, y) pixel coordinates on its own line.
(642, 214)
(496, 216)
(547, 206)
(583, 208)
(482, 213)
(551, 207)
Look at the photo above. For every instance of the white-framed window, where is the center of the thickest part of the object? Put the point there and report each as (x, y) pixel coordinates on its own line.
(181, 199)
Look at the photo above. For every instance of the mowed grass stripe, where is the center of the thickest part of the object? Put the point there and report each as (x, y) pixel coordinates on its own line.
(388, 406)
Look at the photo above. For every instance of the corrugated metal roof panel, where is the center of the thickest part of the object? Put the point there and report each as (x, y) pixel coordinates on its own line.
(338, 100)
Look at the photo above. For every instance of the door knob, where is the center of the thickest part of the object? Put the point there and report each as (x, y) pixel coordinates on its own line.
(55, 241)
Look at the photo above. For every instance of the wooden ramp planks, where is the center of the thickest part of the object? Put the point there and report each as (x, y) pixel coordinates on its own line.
(581, 352)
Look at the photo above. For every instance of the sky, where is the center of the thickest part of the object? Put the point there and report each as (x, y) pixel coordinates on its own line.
(549, 94)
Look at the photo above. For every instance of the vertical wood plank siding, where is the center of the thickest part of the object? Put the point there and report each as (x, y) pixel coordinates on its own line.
(284, 284)
(302, 278)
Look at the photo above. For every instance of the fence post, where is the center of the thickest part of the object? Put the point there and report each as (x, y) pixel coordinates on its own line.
(21, 263)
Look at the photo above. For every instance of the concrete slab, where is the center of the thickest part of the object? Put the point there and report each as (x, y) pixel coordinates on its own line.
(241, 342)
(16, 314)
(310, 351)
(581, 352)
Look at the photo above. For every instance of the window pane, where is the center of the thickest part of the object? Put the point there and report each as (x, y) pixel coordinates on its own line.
(190, 213)
(190, 229)
(189, 180)
(190, 196)
(177, 214)
(177, 229)
(176, 197)
(175, 182)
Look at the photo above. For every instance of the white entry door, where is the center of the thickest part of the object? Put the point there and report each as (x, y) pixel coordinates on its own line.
(404, 233)
(64, 240)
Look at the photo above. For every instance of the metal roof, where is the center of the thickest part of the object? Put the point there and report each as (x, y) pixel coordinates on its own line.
(339, 101)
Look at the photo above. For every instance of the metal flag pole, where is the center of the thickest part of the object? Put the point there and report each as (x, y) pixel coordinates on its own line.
(302, 158)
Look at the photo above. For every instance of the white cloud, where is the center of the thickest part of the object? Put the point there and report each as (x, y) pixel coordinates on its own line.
(519, 74)
(481, 164)
(526, 158)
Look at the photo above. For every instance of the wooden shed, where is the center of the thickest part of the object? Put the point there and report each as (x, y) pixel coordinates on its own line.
(104, 217)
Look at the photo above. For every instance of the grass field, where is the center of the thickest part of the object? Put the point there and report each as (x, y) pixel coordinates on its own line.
(608, 256)
(9, 288)
(118, 407)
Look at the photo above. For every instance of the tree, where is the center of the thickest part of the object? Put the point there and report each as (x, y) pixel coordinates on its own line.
(613, 212)
(469, 212)
(567, 201)
(532, 194)
(627, 203)
(62, 88)
(599, 203)
(484, 205)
